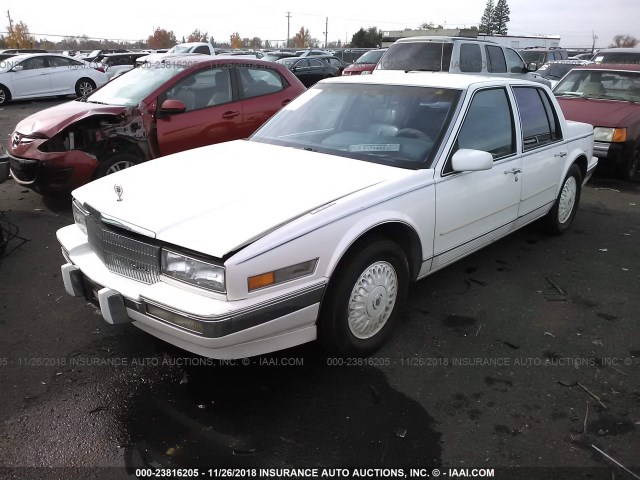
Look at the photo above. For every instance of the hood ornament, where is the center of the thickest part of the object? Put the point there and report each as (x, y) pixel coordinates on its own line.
(119, 191)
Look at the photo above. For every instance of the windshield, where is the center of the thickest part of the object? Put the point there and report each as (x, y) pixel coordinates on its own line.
(617, 57)
(95, 53)
(130, 89)
(370, 57)
(530, 56)
(555, 70)
(602, 84)
(388, 124)
(181, 49)
(425, 56)
(288, 62)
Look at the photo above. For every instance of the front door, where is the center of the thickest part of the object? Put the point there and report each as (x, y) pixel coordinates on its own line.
(32, 79)
(473, 208)
(213, 113)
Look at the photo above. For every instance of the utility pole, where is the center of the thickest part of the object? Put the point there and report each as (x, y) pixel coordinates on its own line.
(288, 22)
(10, 27)
(326, 31)
(593, 45)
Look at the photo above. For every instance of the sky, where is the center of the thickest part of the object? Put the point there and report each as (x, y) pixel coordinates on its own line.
(576, 21)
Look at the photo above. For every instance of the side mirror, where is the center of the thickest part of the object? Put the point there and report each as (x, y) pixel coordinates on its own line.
(17, 68)
(4, 169)
(466, 160)
(173, 106)
(532, 67)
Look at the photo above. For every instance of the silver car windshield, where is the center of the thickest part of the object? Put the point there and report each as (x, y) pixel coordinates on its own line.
(130, 89)
(388, 124)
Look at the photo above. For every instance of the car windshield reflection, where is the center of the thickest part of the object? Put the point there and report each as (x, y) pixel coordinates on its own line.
(388, 124)
(600, 84)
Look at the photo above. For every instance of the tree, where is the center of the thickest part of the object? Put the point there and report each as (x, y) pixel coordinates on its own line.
(500, 17)
(198, 36)
(19, 36)
(235, 40)
(255, 43)
(302, 38)
(161, 39)
(486, 22)
(624, 41)
(430, 26)
(370, 38)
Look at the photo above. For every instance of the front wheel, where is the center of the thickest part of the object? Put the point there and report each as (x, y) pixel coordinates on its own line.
(115, 163)
(5, 96)
(364, 300)
(564, 210)
(84, 87)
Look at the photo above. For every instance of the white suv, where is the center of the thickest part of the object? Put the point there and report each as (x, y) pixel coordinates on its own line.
(455, 55)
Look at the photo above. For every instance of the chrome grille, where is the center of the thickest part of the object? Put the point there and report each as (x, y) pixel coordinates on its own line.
(124, 255)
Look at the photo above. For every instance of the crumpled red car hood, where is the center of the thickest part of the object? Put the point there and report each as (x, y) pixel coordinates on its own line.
(52, 120)
(599, 113)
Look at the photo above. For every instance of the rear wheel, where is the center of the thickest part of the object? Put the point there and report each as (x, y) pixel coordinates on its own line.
(5, 96)
(115, 163)
(564, 210)
(85, 86)
(365, 298)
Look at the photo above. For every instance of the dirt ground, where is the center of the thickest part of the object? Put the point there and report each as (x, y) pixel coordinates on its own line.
(522, 358)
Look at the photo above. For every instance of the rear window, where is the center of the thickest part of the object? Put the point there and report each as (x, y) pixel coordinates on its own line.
(618, 57)
(424, 56)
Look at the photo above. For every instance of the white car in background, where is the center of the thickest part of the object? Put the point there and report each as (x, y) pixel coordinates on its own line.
(45, 75)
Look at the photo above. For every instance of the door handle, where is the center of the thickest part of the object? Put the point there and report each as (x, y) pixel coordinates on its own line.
(562, 154)
(515, 171)
(230, 114)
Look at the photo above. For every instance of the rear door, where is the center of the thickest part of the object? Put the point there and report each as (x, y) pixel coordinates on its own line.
(64, 73)
(213, 114)
(263, 92)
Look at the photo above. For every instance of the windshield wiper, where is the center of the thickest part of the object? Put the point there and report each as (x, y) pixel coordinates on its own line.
(94, 101)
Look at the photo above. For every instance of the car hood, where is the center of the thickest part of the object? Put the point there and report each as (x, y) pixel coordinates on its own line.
(218, 198)
(52, 120)
(599, 113)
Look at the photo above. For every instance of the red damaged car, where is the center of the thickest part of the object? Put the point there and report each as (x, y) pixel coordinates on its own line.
(608, 97)
(151, 111)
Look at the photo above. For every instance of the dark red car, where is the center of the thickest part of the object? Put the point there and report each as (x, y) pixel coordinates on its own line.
(151, 111)
(366, 63)
(608, 97)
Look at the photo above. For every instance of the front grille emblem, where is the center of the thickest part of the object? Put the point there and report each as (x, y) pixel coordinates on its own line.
(16, 139)
(119, 191)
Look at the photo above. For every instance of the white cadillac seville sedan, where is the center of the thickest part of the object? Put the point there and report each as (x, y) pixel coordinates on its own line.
(314, 227)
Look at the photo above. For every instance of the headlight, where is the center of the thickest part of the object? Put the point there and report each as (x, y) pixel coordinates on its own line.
(365, 72)
(79, 215)
(282, 275)
(601, 134)
(193, 271)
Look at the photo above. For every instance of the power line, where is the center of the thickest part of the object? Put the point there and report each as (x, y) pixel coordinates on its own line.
(80, 36)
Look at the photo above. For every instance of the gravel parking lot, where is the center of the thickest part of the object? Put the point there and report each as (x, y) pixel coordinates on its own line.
(523, 358)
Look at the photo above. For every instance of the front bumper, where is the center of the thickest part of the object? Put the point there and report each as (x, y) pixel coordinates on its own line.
(206, 326)
(611, 154)
(52, 173)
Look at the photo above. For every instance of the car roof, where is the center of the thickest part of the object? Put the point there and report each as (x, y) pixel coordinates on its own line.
(619, 49)
(24, 56)
(629, 67)
(430, 79)
(198, 58)
(441, 39)
(123, 54)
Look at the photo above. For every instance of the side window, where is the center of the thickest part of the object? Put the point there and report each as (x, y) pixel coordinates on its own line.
(539, 123)
(59, 62)
(33, 63)
(495, 57)
(470, 57)
(203, 89)
(316, 63)
(256, 81)
(514, 61)
(488, 125)
(201, 49)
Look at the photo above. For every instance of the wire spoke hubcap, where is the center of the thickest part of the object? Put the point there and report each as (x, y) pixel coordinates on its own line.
(372, 300)
(116, 167)
(567, 199)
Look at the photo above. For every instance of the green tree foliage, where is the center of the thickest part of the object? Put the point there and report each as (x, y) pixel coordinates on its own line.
(370, 38)
(624, 41)
(501, 17)
(486, 22)
(430, 26)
